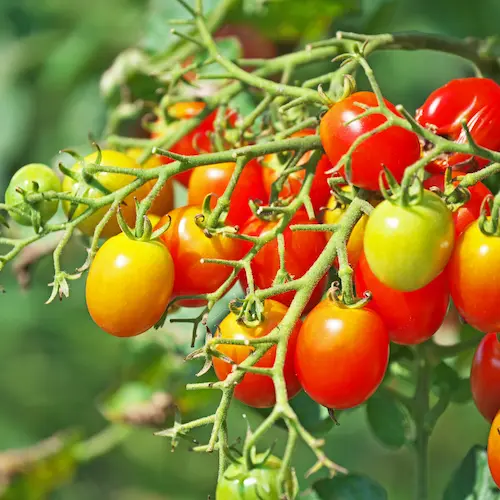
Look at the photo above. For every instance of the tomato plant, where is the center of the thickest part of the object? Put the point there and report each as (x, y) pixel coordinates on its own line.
(475, 293)
(129, 285)
(494, 449)
(395, 148)
(254, 389)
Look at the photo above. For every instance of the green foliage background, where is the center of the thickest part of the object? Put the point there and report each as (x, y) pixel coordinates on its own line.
(54, 361)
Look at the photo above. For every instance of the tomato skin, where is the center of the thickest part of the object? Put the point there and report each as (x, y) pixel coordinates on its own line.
(485, 376)
(301, 251)
(472, 273)
(470, 211)
(215, 178)
(46, 179)
(341, 355)
(410, 317)
(320, 190)
(475, 100)
(396, 148)
(129, 285)
(407, 247)
(494, 450)
(254, 389)
(188, 245)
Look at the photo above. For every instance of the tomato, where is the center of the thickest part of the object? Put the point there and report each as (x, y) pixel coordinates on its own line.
(259, 483)
(129, 285)
(215, 178)
(468, 212)
(395, 148)
(301, 251)
(164, 202)
(407, 247)
(254, 389)
(341, 355)
(111, 182)
(320, 190)
(254, 44)
(485, 376)
(473, 100)
(494, 450)
(46, 180)
(410, 317)
(472, 272)
(188, 245)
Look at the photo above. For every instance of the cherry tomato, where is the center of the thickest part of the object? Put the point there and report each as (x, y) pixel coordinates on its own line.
(129, 285)
(410, 317)
(301, 251)
(259, 483)
(320, 191)
(494, 450)
(164, 202)
(341, 354)
(215, 178)
(395, 148)
(473, 100)
(485, 376)
(408, 246)
(32, 178)
(111, 182)
(472, 272)
(468, 212)
(254, 389)
(188, 245)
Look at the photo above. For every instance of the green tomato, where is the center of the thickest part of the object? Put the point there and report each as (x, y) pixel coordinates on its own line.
(32, 178)
(408, 246)
(259, 483)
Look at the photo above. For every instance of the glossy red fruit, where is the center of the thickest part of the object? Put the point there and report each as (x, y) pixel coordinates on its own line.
(341, 355)
(395, 148)
(410, 317)
(473, 100)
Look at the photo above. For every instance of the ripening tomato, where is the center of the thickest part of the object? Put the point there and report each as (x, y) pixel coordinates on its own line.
(32, 178)
(341, 355)
(468, 212)
(410, 317)
(472, 273)
(273, 167)
(407, 247)
(494, 450)
(395, 148)
(129, 285)
(188, 245)
(485, 376)
(301, 251)
(473, 100)
(215, 178)
(254, 389)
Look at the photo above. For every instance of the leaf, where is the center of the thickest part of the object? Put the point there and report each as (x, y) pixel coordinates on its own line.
(472, 480)
(350, 487)
(389, 419)
(445, 378)
(127, 395)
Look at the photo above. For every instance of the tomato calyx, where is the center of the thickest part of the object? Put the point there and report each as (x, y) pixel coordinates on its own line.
(341, 300)
(453, 194)
(141, 232)
(405, 196)
(489, 220)
(249, 311)
(210, 225)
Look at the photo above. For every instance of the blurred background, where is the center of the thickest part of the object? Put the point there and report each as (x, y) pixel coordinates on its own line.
(55, 363)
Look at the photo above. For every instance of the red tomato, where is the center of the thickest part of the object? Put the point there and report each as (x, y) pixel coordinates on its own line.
(485, 376)
(410, 317)
(188, 245)
(394, 148)
(469, 212)
(341, 355)
(472, 273)
(301, 251)
(475, 100)
(254, 44)
(215, 178)
(254, 389)
(320, 190)
(494, 450)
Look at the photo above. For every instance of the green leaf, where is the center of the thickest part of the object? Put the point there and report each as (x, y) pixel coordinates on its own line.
(445, 378)
(350, 487)
(472, 480)
(389, 419)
